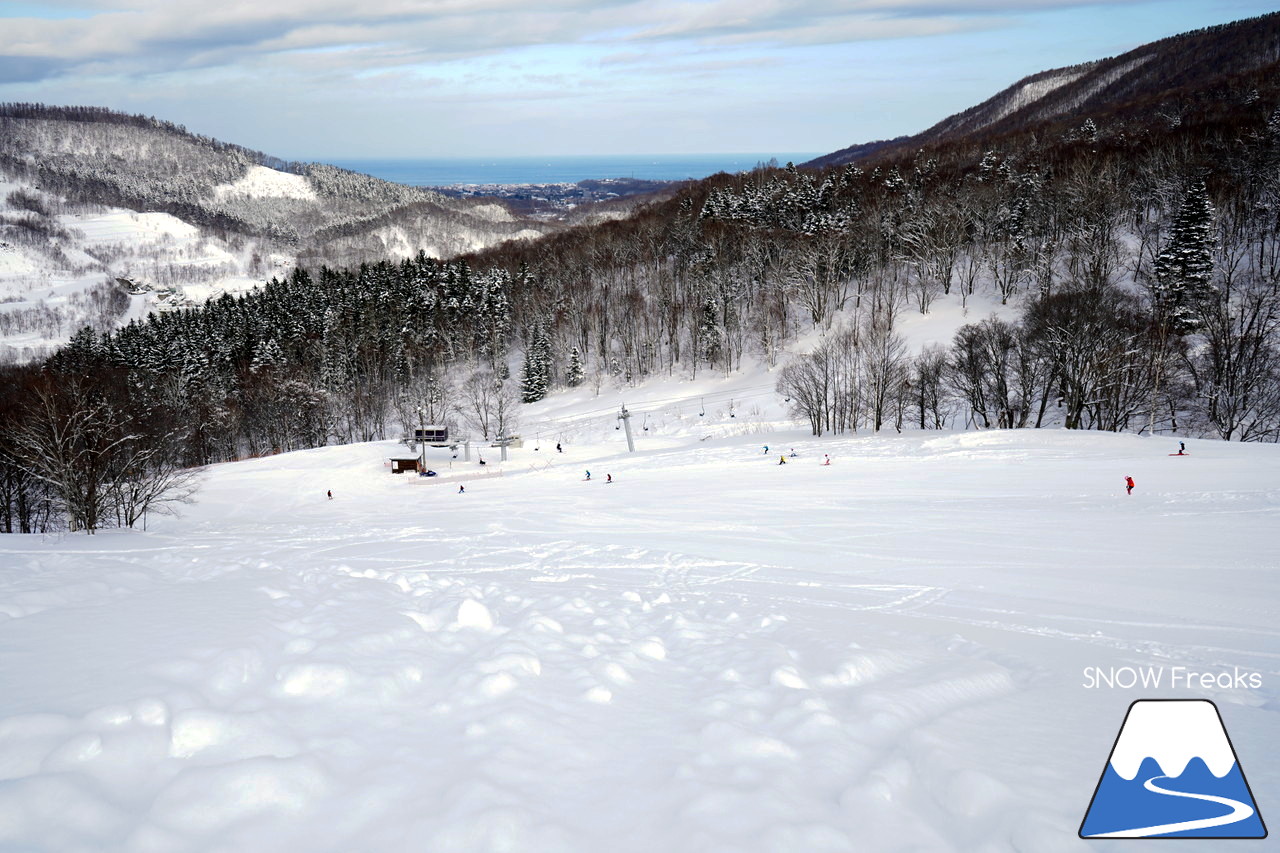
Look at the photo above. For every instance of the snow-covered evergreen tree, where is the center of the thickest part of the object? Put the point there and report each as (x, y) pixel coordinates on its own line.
(1184, 267)
(536, 379)
(575, 374)
(710, 335)
(265, 355)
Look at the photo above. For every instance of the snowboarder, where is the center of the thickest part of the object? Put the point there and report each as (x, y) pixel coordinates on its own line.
(766, 450)
(1182, 448)
(608, 478)
(462, 489)
(1128, 485)
(782, 460)
(793, 453)
(827, 457)
(559, 449)
(482, 462)
(588, 477)
(331, 494)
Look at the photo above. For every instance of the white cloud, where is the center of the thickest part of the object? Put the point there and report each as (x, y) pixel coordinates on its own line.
(150, 35)
(410, 78)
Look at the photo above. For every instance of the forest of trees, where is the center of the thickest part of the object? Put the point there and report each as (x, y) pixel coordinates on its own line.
(1140, 264)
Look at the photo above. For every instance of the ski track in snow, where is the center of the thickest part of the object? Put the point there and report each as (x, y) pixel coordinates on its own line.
(709, 655)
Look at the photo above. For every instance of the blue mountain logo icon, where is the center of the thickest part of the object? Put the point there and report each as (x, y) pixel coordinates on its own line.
(1173, 773)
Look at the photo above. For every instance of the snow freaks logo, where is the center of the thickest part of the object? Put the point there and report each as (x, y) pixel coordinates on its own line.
(1156, 677)
(1173, 773)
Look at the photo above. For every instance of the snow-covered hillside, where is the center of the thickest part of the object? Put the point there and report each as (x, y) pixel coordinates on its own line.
(1021, 94)
(47, 278)
(61, 270)
(102, 196)
(714, 652)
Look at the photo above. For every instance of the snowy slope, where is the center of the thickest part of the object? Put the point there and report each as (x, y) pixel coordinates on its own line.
(713, 653)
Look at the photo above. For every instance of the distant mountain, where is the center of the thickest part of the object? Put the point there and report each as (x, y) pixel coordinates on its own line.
(94, 155)
(105, 217)
(1156, 80)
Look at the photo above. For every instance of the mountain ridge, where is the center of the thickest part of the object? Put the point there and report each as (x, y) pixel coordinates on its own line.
(1142, 83)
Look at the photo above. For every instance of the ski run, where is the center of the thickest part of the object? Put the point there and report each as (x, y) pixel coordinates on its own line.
(711, 653)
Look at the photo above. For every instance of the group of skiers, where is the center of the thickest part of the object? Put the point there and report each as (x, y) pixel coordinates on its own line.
(1128, 480)
(782, 460)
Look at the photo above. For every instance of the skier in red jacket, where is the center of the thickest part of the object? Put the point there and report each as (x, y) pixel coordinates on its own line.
(1128, 485)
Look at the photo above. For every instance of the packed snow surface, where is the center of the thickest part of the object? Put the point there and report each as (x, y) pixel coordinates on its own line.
(714, 652)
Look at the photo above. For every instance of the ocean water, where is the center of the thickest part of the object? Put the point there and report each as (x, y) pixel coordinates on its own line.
(446, 172)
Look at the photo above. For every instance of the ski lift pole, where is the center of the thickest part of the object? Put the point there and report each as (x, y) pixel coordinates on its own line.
(625, 417)
(422, 439)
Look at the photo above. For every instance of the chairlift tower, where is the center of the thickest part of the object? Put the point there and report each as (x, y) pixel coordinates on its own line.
(422, 438)
(625, 417)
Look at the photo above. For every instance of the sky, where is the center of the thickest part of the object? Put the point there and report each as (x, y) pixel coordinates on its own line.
(334, 79)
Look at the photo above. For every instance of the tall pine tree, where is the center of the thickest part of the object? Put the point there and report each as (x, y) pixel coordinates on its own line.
(575, 373)
(536, 380)
(1184, 267)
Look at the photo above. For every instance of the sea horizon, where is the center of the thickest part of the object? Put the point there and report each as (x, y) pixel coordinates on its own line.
(558, 169)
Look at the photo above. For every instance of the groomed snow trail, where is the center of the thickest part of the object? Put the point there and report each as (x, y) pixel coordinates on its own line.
(714, 653)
